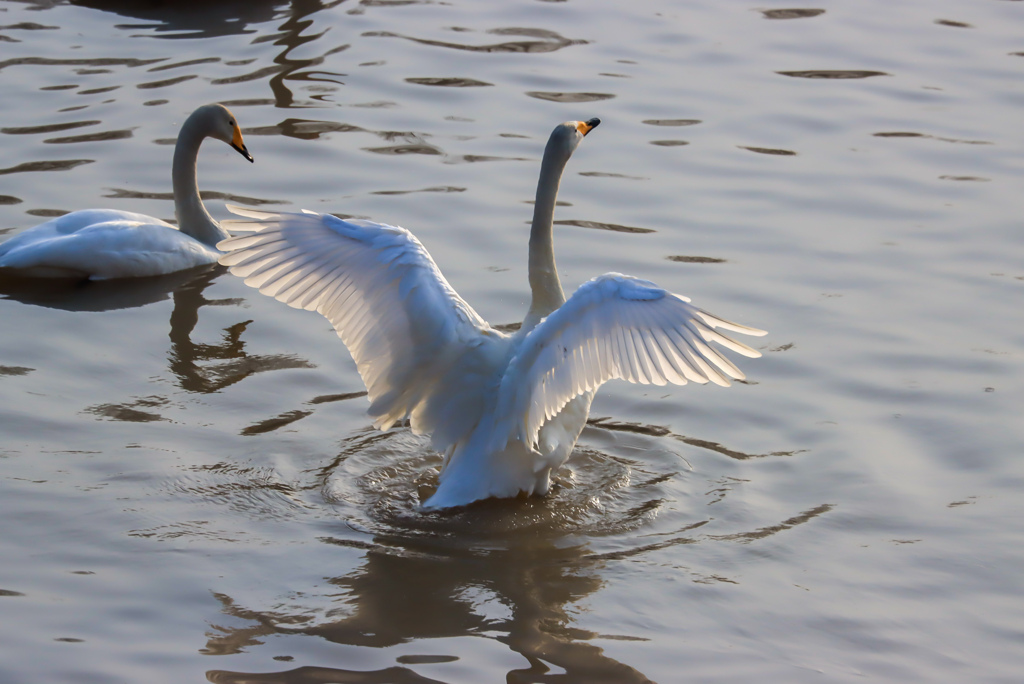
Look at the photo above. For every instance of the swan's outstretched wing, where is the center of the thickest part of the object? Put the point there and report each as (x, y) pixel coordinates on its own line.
(614, 326)
(407, 329)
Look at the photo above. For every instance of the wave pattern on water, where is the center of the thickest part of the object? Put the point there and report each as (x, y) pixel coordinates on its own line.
(549, 41)
(203, 454)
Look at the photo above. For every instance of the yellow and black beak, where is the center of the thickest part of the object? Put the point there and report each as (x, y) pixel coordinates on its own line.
(585, 127)
(239, 145)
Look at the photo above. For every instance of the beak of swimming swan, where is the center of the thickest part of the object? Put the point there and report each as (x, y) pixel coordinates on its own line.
(239, 144)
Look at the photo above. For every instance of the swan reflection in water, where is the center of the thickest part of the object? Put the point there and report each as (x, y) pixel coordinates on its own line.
(513, 572)
(98, 295)
(409, 594)
(210, 367)
(421, 587)
(201, 367)
(193, 19)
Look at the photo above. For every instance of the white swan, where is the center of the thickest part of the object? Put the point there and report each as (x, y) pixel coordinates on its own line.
(506, 410)
(100, 244)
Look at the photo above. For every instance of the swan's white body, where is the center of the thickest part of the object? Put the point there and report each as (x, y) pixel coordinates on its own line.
(506, 410)
(101, 244)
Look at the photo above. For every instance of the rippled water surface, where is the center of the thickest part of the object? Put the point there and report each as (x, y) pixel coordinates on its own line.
(189, 487)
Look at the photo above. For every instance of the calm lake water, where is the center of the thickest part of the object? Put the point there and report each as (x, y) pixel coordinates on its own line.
(190, 490)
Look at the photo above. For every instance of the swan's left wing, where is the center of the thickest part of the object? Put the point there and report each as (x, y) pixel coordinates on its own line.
(614, 326)
(408, 331)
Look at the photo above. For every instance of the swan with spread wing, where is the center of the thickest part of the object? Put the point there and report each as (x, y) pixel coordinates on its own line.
(505, 409)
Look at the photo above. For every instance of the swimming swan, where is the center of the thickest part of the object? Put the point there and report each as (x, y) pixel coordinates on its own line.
(100, 244)
(506, 410)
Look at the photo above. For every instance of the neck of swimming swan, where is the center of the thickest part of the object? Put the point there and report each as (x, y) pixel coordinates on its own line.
(193, 219)
(544, 282)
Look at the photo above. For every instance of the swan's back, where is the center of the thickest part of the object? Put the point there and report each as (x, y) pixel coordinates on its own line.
(102, 244)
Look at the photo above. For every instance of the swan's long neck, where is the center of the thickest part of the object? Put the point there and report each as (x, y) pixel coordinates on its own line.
(544, 282)
(193, 219)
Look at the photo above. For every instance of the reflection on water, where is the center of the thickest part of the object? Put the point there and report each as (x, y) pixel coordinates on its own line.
(122, 193)
(681, 258)
(573, 98)
(98, 295)
(909, 134)
(130, 412)
(598, 225)
(287, 68)
(96, 62)
(841, 74)
(549, 41)
(49, 128)
(661, 431)
(422, 590)
(190, 19)
(200, 367)
(768, 150)
(672, 122)
(505, 571)
(448, 82)
(789, 523)
(322, 675)
(511, 571)
(791, 13)
(204, 367)
(303, 129)
(41, 166)
(197, 19)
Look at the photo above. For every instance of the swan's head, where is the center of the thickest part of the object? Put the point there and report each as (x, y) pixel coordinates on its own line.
(220, 123)
(567, 136)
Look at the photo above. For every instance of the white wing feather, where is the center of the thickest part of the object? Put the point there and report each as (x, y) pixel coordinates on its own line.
(613, 326)
(415, 342)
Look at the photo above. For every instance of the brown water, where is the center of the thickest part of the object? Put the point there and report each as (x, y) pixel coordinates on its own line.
(190, 490)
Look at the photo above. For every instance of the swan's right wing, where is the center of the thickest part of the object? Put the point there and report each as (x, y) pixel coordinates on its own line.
(404, 325)
(613, 326)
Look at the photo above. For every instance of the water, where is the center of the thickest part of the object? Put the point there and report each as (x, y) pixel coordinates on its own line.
(190, 488)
